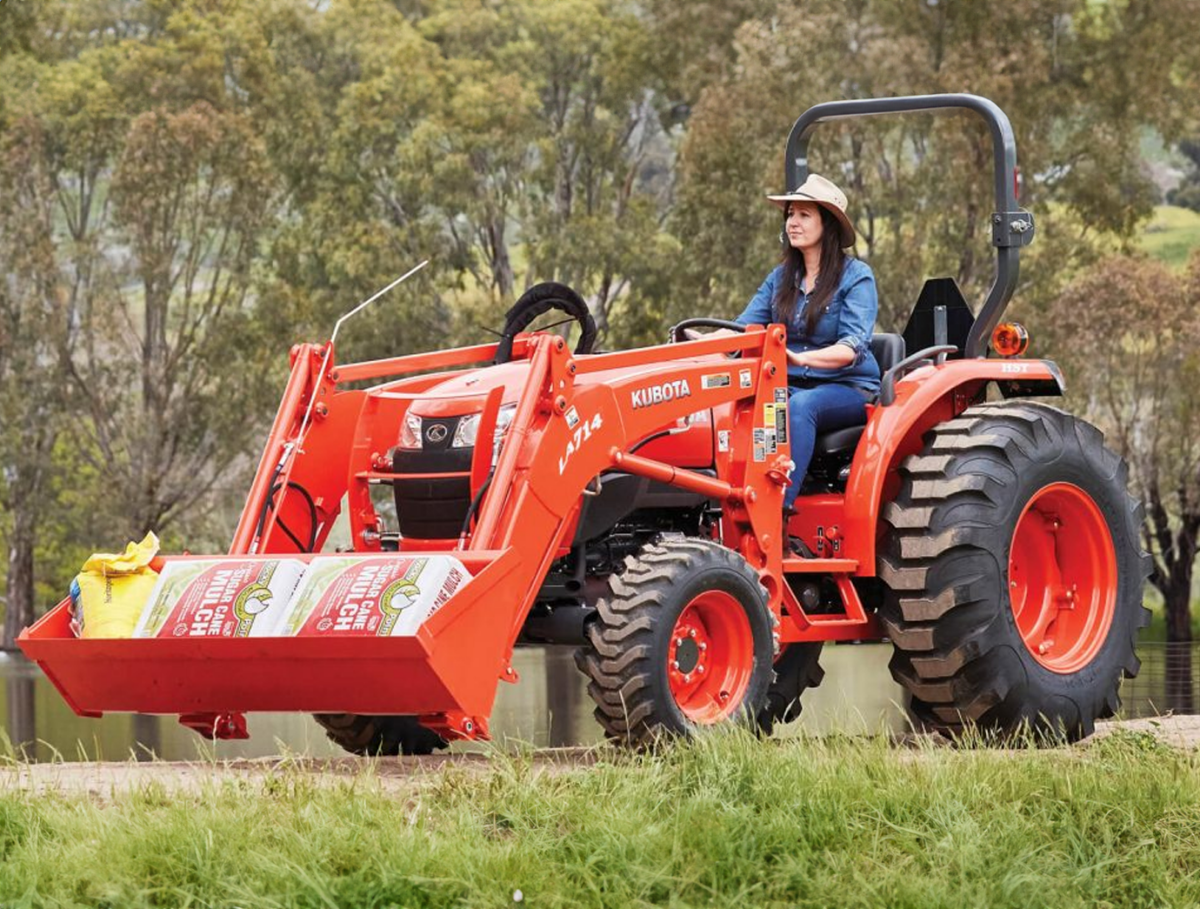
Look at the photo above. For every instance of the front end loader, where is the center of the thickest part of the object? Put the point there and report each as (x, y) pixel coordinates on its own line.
(630, 504)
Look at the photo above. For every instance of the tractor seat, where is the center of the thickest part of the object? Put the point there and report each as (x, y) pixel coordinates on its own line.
(888, 350)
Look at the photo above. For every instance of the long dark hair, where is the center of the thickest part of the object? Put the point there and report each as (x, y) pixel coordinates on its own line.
(833, 260)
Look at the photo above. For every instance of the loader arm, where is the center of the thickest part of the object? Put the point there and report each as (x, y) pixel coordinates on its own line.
(587, 413)
(576, 418)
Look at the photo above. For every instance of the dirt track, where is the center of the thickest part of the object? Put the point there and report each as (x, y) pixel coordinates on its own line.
(400, 775)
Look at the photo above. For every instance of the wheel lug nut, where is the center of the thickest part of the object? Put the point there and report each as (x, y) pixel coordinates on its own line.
(674, 664)
(678, 641)
(691, 632)
(688, 677)
(703, 647)
(700, 669)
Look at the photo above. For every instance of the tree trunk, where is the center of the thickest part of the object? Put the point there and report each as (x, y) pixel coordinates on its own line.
(19, 586)
(147, 737)
(563, 684)
(1179, 695)
(22, 719)
(503, 278)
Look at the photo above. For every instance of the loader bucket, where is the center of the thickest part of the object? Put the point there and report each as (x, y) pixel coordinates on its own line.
(449, 667)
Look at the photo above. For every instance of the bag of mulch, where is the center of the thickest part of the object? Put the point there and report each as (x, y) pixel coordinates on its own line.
(110, 591)
(228, 598)
(380, 596)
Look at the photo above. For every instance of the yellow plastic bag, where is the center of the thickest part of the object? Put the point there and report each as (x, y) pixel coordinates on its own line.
(111, 590)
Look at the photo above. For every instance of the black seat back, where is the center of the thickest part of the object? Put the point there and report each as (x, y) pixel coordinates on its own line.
(888, 350)
(939, 294)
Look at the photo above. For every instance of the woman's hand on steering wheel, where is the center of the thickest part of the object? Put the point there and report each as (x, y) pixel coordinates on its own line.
(687, 330)
(693, 334)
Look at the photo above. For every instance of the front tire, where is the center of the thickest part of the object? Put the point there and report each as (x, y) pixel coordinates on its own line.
(684, 640)
(1015, 575)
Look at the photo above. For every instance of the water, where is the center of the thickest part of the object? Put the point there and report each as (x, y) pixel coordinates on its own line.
(548, 707)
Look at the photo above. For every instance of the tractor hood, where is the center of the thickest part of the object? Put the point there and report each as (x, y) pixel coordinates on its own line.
(461, 394)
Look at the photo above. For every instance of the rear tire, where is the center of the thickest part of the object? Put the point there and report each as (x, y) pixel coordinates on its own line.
(683, 641)
(379, 736)
(1015, 575)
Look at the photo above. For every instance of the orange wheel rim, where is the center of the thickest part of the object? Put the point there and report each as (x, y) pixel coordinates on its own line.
(710, 657)
(1062, 577)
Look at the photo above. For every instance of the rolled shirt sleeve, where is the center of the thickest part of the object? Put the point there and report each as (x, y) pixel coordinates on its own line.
(758, 311)
(860, 309)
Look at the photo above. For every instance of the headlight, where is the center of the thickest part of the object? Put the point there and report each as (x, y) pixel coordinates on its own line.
(468, 429)
(410, 432)
(466, 435)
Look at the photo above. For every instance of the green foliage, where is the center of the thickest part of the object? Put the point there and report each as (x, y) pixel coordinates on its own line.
(190, 188)
(1187, 194)
(728, 821)
(1132, 743)
(1127, 333)
(1172, 234)
(1076, 81)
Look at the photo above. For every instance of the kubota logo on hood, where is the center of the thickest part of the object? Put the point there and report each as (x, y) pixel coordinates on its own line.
(658, 394)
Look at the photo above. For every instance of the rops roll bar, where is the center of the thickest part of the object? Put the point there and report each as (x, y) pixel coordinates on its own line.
(1012, 226)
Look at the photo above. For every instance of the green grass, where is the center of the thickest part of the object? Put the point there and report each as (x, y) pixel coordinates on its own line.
(1172, 235)
(728, 821)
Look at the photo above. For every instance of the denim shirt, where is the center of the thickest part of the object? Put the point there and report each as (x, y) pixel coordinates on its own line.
(849, 319)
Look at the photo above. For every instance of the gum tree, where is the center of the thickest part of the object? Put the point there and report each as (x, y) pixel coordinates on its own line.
(31, 336)
(1128, 334)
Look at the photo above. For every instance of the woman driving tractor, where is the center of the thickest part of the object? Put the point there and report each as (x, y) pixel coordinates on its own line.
(828, 303)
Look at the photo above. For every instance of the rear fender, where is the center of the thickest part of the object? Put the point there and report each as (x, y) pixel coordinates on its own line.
(924, 398)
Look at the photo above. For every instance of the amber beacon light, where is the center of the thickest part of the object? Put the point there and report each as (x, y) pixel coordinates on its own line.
(1010, 339)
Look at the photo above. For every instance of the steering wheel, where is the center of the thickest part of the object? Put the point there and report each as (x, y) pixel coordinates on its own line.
(539, 299)
(686, 331)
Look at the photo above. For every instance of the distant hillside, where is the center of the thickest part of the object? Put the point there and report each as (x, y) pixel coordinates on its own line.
(1172, 234)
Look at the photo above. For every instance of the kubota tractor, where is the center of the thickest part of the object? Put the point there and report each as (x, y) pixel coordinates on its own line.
(630, 503)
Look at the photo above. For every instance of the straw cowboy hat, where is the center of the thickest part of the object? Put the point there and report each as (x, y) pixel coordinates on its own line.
(817, 189)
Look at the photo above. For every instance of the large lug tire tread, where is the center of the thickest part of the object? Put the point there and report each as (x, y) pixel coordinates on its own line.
(958, 651)
(625, 657)
(379, 736)
(797, 669)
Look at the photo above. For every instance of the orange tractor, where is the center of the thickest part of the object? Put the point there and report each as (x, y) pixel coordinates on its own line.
(629, 503)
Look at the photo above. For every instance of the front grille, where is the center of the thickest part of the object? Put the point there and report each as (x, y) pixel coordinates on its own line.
(432, 508)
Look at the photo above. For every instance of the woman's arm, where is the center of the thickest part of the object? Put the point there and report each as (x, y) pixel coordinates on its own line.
(835, 356)
(860, 309)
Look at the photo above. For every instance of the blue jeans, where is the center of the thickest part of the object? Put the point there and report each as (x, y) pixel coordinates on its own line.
(820, 408)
